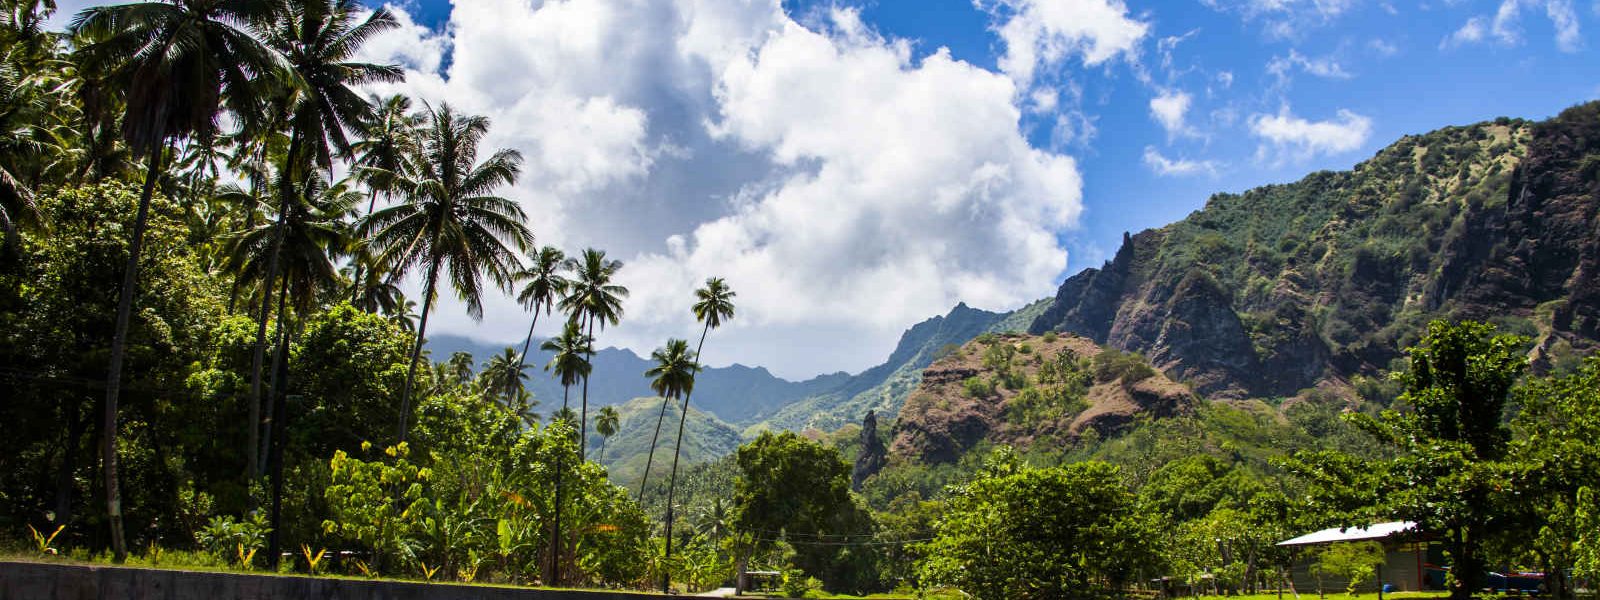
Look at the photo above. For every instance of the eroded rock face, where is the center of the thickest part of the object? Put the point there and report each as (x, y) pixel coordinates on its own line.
(873, 454)
(942, 419)
(1308, 284)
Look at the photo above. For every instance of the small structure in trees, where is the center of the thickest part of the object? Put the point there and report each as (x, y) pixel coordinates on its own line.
(1408, 555)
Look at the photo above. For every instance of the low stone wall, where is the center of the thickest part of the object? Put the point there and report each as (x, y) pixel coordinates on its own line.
(52, 581)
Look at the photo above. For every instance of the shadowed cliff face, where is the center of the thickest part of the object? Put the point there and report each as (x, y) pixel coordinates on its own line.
(1292, 286)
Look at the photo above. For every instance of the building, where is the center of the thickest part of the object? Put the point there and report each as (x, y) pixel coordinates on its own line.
(1408, 556)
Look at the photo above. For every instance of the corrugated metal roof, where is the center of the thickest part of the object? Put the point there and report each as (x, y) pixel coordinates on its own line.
(1351, 534)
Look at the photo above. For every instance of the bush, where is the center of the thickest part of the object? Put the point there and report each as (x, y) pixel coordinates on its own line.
(1049, 337)
(1130, 367)
(978, 387)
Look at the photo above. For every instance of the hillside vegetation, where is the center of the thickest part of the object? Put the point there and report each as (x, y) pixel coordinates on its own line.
(1317, 282)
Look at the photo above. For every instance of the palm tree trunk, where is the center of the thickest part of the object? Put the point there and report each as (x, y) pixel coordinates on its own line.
(416, 349)
(583, 428)
(555, 535)
(119, 342)
(278, 423)
(522, 359)
(274, 383)
(677, 449)
(650, 458)
(285, 192)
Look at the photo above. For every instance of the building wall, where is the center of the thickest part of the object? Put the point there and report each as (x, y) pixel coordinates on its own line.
(52, 581)
(1402, 569)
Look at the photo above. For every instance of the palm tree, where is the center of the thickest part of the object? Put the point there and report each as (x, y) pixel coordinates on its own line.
(543, 283)
(387, 136)
(593, 298)
(715, 305)
(449, 223)
(569, 364)
(671, 377)
(503, 376)
(179, 62)
(715, 520)
(20, 108)
(605, 423)
(318, 38)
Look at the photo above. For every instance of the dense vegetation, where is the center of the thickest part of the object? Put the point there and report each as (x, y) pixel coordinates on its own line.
(208, 362)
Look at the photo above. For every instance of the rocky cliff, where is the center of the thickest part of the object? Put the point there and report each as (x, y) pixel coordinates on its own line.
(1292, 286)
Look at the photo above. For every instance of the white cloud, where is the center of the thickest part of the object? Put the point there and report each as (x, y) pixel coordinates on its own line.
(1326, 67)
(1169, 109)
(1286, 19)
(843, 188)
(1506, 26)
(1043, 34)
(1177, 167)
(1287, 136)
(1382, 47)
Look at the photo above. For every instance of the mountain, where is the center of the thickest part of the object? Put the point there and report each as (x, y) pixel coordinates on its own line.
(1321, 281)
(706, 438)
(734, 394)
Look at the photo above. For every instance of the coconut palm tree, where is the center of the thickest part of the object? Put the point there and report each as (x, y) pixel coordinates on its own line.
(671, 378)
(605, 423)
(570, 363)
(503, 376)
(387, 136)
(179, 63)
(593, 299)
(449, 223)
(20, 108)
(714, 305)
(542, 285)
(318, 38)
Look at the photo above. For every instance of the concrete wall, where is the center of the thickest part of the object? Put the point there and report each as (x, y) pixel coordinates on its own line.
(50, 581)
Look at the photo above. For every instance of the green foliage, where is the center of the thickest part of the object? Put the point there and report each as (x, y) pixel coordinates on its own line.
(791, 486)
(1357, 562)
(378, 503)
(231, 540)
(1024, 532)
(977, 387)
(1128, 367)
(1044, 404)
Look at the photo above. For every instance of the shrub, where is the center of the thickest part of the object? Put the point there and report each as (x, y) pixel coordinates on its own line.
(1050, 337)
(1130, 367)
(977, 387)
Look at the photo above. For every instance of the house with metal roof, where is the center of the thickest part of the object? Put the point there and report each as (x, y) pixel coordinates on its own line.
(1408, 556)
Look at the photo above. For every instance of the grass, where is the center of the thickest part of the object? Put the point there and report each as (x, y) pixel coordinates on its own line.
(1312, 595)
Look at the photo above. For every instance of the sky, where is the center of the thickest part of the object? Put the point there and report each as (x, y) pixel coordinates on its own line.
(852, 167)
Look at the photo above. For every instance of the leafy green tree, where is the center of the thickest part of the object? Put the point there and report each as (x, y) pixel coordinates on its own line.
(504, 377)
(570, 363)
(592, 298)
(179, 62)
(378, 503)
(1356, 562)
(388, 135)
(1024, 532)
(792, 488)
(449, 223)
(1555, 456)
(1451, 443)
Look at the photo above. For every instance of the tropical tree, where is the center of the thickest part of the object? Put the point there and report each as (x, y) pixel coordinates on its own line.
(388, 135)
(593, 299)
(449, 222)
(503, 376)
(318, 39)
(179, 64)
(670, 378)
(715, 303)
(570, 364)
(606, 423)
(20, 108)
(542, 284)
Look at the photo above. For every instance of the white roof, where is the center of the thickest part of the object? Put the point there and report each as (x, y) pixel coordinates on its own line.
(1351, 534)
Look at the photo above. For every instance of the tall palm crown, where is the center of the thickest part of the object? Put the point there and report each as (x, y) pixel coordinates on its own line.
(503, 374)
(592, 297)
(714, 303)
(542, 285)
(571, 349)
(450, 222)
(318, 39)
(20, 108)
(179, 61)
(606, 423)
(387, 136)
(673, 374)
(314, 234)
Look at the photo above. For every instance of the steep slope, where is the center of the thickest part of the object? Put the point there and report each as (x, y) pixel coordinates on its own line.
(1290, 286)
(1021, 390)
(884, 387)
(705, 438)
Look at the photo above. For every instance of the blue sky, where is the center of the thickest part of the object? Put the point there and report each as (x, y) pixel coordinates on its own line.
(855, 167)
